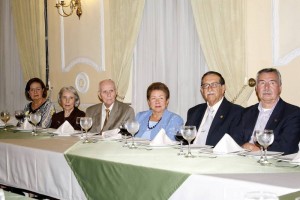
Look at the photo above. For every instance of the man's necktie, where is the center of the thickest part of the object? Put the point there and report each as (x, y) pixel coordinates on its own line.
(106, 117)
(202, 134)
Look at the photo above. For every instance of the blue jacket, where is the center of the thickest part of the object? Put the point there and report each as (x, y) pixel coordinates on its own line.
(171, 122)
(284, 121)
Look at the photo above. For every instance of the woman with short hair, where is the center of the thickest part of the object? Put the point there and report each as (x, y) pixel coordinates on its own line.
(69, 100)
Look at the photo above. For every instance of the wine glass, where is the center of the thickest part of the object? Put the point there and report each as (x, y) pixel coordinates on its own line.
(19, 115)
(265, 139)
(123, 131)
(5, 116)
(132, 127)
(189, 133)
(78, 122)
(86, 123)
(180, 138)
(35, 118)
(256, 134)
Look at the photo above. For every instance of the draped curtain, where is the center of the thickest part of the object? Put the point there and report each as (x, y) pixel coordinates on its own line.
(30, 32)
(11, 77)
(125, 20)
(168, 50)
(221, 28)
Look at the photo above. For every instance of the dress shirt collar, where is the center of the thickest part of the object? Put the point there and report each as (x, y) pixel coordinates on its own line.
(214, 107)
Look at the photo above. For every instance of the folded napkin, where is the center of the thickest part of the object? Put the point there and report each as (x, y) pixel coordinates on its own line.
(112, 134)
(227, 145)
(65, 129)
(26, 125)
(162, 139)
(297, 158)
(1, 123)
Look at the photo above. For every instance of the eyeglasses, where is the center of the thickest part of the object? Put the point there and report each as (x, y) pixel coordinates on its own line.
(212, 85)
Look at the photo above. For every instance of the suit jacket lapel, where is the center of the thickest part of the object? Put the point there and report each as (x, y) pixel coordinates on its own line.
(98, 118)
(219, 116)
(275, 116)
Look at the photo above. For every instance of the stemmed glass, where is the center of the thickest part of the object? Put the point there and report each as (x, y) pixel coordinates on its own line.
(123, 131)
(265, 139)
(132, 127)
(19, 115)
(180, 138)
(5, 116)
(35, 118)
(86, 123)
(256, 134)
(189, 133)
(78, 122)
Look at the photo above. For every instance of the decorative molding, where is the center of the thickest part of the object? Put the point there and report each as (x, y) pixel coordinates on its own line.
(277, 61)
(84, 60)
(82, 82)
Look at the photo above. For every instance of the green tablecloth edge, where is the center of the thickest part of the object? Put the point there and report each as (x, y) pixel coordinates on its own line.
(290, 196)
(175, 178)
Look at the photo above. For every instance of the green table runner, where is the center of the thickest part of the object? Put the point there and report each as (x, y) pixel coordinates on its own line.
(103, 179)
(106, 170)
(291, 196)
(15, 134)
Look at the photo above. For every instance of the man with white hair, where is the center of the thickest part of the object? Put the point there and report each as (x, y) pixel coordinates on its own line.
(111, 113)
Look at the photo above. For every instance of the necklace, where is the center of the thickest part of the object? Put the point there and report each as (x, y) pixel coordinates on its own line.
(154, 125)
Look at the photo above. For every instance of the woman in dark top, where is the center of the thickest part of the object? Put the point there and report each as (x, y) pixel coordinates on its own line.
(68, 99)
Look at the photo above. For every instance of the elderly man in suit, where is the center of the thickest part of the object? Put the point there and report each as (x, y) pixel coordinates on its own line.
(271, 113)
(111, 113)
(215, 117)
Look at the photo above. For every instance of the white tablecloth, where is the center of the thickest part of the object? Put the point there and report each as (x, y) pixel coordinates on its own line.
(42, 171)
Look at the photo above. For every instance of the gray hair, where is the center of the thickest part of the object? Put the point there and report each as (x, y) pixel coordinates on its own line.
(69, 89)
(269, 70)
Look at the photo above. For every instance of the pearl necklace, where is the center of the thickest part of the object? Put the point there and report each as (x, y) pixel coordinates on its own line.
(154, 125)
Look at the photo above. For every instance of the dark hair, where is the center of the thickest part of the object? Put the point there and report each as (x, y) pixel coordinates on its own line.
(269, 70)
(158, 86)
(73, 91)
(27, 88)
(221, 81)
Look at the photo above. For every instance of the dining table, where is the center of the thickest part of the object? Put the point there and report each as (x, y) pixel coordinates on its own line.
(64, 167)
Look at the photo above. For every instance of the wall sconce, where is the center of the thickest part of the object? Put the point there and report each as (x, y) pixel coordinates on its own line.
(73, 5)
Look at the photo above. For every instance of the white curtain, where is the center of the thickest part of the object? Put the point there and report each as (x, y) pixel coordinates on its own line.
(168, 51)
(11, 77)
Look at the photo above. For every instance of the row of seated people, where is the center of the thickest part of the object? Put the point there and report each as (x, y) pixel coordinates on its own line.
(271, 112)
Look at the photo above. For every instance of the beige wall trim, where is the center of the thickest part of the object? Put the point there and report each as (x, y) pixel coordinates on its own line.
(279, 61)
(84, 60)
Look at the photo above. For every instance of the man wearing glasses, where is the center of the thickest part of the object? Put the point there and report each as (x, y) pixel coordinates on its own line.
(271, 113)
(215, 117)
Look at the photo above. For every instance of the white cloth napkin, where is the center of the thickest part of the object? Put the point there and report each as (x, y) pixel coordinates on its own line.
(227, 145)
(1, 123)
(297, 158)
(162, 139)
(26, 125)
(112, 134)
(66, 129)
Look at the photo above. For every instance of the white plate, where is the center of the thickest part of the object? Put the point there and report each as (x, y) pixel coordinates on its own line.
(257, 154)
(52, 131)
(287, 158)
(196, 146)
